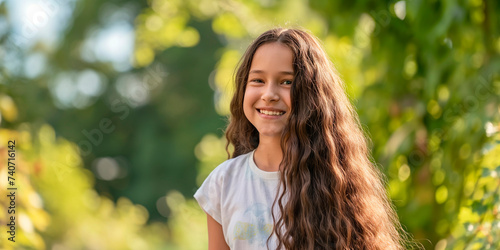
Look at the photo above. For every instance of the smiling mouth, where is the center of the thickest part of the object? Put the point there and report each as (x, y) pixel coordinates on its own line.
(269, 112)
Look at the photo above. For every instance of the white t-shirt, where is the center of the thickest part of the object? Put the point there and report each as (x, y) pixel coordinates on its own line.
(239, 196)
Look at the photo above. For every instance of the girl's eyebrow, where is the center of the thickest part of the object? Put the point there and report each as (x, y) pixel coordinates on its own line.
(258, 71)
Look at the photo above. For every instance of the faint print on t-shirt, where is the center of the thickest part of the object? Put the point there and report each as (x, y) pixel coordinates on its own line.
(255, 229)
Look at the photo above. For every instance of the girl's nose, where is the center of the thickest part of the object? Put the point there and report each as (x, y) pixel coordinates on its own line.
(270, 93)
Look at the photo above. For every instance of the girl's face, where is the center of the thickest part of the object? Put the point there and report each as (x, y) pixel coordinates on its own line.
(266, 102)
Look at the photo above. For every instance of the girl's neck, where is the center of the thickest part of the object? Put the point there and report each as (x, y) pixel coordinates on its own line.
(268, 154)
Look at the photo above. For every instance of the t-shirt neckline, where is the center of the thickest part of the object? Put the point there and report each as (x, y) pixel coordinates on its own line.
(259, 172)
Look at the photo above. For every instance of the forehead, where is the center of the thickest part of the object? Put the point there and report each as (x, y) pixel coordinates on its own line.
(273, 57)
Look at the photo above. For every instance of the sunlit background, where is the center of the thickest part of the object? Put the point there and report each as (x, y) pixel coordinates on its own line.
(118, 109)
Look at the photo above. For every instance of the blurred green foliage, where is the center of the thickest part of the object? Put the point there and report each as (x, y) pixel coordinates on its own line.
(57, 206)
(423, 76)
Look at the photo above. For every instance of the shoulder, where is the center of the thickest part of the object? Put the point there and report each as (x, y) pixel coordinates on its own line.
(231, 166)
(222, 177)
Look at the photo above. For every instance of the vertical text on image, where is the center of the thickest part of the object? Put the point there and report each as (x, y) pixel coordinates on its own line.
(11, 190)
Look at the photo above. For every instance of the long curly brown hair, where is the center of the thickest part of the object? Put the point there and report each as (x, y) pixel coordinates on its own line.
(331, 195)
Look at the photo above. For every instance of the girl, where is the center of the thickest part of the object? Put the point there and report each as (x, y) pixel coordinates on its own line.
(300, 175)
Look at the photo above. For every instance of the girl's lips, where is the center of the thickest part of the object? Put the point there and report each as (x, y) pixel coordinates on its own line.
(271, 109)
(271, 112)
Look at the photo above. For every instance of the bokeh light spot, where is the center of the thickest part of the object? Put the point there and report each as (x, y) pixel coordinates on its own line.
(441, 194)
(107, 168)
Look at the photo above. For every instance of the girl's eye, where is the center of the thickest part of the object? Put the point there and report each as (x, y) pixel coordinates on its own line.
(287, 82)
(257, 80)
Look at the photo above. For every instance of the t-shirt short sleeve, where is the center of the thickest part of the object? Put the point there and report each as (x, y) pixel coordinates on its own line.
(209, 194)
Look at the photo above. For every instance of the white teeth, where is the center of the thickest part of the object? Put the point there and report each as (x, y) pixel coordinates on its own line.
(267, 112)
